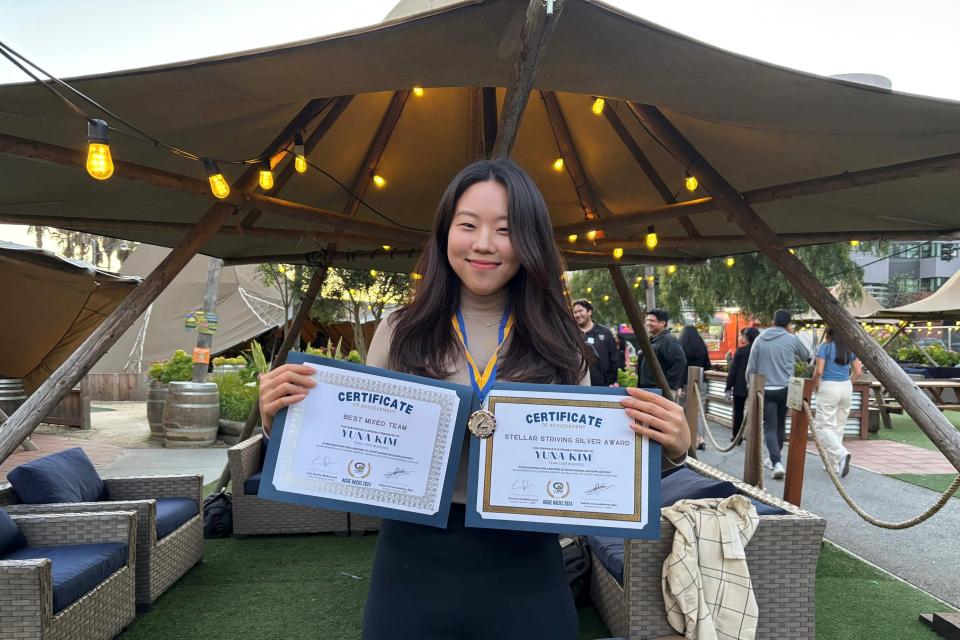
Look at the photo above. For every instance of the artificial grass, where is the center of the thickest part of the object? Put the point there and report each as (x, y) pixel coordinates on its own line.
(855, 600)
(934, 481)
(906, 431)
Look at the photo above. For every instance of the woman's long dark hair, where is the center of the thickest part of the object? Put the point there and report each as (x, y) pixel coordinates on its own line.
(841, 353)
(546, 346)
(693, 345)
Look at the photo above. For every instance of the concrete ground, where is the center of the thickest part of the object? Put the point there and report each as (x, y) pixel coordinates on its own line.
(927, 555)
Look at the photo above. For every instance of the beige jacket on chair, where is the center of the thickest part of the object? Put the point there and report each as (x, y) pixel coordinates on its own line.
(706, 583)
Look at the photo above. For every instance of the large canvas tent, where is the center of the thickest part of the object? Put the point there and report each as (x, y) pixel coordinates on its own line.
(942, 304)
(52, 305)
(864, 307)
(245, 306)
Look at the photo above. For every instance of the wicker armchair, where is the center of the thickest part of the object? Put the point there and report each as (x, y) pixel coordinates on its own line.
(26, 586)
(161, 562)
(256, 516)
(782, 556)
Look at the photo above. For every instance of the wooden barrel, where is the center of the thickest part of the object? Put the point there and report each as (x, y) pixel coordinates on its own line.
(156, 398)
(190, 416)
(12, 395)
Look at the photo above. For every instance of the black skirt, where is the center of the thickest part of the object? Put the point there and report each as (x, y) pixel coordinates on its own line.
(464, 584)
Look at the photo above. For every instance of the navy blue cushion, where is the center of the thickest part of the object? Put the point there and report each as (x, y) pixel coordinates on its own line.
(173, 512)
(11, 538)
(609, 552)
(67, 476)
(684, 483)
(251, 486)
(77, 568)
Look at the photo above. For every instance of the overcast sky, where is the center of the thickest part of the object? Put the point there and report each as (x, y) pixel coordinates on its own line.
(915, 44)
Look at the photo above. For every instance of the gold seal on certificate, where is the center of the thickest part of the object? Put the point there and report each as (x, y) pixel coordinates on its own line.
(482, 424)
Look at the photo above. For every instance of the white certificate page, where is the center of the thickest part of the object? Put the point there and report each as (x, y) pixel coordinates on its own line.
(363, 438)
(562, 458)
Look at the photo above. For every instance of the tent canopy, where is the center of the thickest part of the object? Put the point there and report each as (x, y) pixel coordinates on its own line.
(758, 124)
(245, 307)
(865, 307)
(942, 304)
(51, 305)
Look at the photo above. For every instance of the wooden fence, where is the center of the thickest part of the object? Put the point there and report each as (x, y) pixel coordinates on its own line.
(117, 387)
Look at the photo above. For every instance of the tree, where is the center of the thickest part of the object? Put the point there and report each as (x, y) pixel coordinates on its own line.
(596, 286)
(87, 246)
(366, 294)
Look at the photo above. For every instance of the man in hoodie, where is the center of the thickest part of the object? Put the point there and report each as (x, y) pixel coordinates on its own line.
(773, 355)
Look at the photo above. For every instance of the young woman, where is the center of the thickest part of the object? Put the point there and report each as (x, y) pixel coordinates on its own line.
(697, 355)
(491, 252)
(737, 377)
(837, 369)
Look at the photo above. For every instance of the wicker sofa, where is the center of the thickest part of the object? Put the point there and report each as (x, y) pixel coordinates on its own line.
(160, 561)
(27, 607)
(782, 556)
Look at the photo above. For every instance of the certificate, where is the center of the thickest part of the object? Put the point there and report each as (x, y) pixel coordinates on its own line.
(564, 459)
(370, 441)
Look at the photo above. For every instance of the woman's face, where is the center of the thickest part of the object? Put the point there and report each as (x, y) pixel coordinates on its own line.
(478, 244)
(741, 340)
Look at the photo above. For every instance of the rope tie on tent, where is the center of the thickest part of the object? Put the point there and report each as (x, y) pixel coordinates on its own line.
(905, 524)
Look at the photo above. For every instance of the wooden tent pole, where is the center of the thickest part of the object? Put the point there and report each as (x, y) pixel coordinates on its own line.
(280, 357)
(534, 36)
(930, 419)
(740, 242)
(571, 158)
(639, 329)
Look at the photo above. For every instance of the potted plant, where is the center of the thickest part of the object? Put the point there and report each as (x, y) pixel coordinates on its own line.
(177, 368)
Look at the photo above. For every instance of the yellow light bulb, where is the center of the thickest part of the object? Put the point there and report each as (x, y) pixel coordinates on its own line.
(636, 285)
(218, 184)
(651, 239)
(618, 253)
(266, 177)
(300, 164)
(416, 276)
(854, 243)
(558, 164)
(672, 269)
(929, 324)
(299, 154)
(99, 159)
(373, 272)
(387, 247)
(418, 91)
(592, 235)
(379, 181)
(606, 298)
(690, 182)
(793, 252)
(651, 279)
(730, 262)
(597, 107)
(572, 238)
(589, 289)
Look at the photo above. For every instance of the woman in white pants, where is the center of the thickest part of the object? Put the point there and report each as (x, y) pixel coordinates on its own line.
(837, 369)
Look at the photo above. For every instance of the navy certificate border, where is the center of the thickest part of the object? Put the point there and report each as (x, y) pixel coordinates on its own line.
(652, 528)
(269, 492)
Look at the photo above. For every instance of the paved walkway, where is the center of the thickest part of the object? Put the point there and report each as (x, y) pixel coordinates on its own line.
(101, 453)
(927, 555)
(886, 457)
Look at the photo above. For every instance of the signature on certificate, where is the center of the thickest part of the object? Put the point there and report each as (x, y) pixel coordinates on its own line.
(399, 471)
(323, 461)
(600, 487)
(521, 485)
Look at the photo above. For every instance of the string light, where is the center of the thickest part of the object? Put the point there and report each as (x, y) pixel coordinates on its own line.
(651, 240)
(793, 252)
(558, 164)
(730, 261)
(597, 107)
(589, 289)
(691, 183)
(386, 247)
(218, 184)
(618, 253)
(99, 160)
(606, 298)
(266, 176)
(299, 154)
(418, 91)
(636, 285)
(379, 181)
(592, 235)
(651, 279)
(416, 276)
(672, 269)
(373, 272)
(572, 238)
(854, 243)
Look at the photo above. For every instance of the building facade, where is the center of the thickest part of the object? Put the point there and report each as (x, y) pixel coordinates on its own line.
(912, 271)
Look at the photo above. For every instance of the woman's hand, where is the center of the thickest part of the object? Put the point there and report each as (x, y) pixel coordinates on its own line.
(282, 387)
(659, 419)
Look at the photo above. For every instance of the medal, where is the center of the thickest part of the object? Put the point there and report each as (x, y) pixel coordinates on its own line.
(482, 423)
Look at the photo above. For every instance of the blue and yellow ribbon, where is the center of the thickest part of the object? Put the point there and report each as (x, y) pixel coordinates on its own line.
(482, 381)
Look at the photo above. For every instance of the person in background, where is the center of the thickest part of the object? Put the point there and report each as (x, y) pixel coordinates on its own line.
(837, 369)
(737, 376)
(604, 372)
(695, 350)
(667, 350)
(773, 355)
(621, 351)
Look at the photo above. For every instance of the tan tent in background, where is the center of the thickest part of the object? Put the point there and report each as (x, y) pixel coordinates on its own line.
(867, 305)
(246, 308)
(51, 304)
(943, 304)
